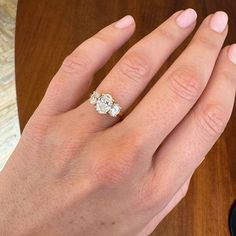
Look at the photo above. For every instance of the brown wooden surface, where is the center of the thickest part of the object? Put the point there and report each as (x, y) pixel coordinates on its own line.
(48, 30)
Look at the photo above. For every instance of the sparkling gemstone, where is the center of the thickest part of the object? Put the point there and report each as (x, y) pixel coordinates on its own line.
(115, 110)
(104, 103)
(94, 97)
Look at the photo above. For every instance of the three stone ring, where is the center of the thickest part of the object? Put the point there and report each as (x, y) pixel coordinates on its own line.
(105, 104)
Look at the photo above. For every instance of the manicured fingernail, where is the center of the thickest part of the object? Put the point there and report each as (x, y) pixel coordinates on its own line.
(219, 21)
(232, 53)
(186, 18)
(124, 22)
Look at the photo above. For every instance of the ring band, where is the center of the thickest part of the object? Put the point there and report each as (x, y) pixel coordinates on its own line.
(105, 104)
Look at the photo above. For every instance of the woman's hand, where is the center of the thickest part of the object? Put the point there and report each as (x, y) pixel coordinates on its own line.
(77, 172)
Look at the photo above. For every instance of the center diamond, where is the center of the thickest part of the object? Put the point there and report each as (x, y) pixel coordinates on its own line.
(104, 103)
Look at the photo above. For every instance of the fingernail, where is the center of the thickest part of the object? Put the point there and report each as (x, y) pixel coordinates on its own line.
(186, 18)
(124, 22)
(219, 21)
(232, 53)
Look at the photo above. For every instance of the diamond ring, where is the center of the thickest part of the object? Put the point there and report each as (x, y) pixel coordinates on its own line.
(105, 104)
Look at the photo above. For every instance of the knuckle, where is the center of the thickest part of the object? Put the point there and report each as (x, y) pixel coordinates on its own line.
(158, 195)
(37, 131)
(186, 83)
(207, 42)
(111, 172)
(76, 63)
(134, 67)
(164, 33)
(102, 38)
(117, 165)
(152, 195)
(212, 120)
(132, 145)
(151, 192)
(133, 139)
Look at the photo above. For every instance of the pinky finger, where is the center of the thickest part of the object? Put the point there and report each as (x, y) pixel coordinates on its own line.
(178, 196)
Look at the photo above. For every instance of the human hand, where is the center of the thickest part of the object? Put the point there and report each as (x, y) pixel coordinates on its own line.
(77, 172)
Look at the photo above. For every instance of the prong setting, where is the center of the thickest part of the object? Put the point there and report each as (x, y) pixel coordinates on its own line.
(105, 104)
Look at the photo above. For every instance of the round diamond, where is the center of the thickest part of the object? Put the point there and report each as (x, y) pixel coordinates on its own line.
(104, 103)
(115, 110)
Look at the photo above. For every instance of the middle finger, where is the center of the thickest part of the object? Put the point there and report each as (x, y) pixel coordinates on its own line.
(176, 92)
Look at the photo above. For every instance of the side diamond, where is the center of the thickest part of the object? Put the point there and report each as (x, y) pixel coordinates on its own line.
(94, 97)
(115, 110)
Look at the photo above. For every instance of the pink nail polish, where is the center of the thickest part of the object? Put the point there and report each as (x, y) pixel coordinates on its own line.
(186, 18)
(232, 53)
(124, 22)
(219, 21)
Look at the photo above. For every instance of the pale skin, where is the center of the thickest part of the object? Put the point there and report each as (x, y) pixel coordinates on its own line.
(77, 172)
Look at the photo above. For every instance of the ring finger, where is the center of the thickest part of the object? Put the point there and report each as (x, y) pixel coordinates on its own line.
(136, 68)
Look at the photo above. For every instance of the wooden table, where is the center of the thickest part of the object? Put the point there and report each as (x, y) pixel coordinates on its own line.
(48, 30)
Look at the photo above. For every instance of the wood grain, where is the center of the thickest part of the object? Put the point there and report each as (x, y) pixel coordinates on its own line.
(9, 124)
(48, 30)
